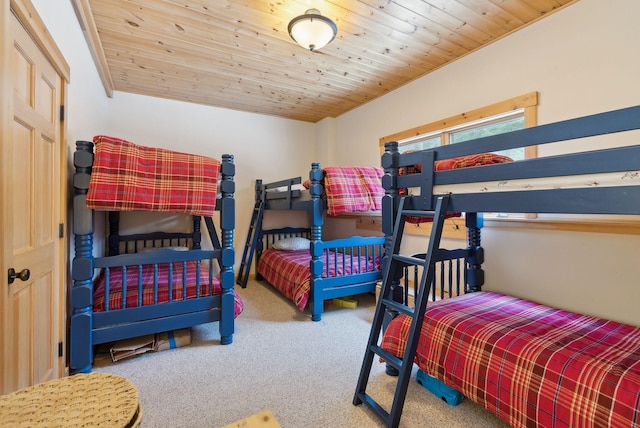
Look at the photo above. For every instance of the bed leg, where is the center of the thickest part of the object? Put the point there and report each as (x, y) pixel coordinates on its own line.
(227, 302)
(316, 303)
(391, 371)
(316, 306)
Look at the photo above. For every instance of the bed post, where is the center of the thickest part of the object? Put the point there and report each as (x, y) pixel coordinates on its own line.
(316, 220)
(227, 260)
(474, 272)
(390, 202)
(81, 349)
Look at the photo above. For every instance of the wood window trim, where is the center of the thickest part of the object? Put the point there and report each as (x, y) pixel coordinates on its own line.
(528, 102)
(452, 228)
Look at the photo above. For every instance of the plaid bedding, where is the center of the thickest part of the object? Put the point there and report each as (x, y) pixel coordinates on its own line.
(150, 295)
(289, 271)
(470, 160)
(128, 177)
(353, 189)
(532, 365)
(453, 163)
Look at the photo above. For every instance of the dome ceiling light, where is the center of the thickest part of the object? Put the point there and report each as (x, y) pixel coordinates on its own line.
(312, 30)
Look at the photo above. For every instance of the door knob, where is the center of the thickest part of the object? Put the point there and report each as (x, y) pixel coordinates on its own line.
(23, 275)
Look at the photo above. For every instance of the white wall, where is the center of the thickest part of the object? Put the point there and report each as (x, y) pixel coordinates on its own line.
(582, 60)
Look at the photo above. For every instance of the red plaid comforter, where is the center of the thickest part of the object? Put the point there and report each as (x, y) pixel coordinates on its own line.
(289, 271)
(452, 163)
(151, 295)
(532, 365)
(353, 189)
(128, 177)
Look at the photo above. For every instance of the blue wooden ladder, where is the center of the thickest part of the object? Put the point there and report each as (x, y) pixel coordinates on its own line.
(393, 270)
(250, 245)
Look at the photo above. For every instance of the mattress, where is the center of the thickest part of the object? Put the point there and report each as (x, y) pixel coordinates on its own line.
(184, 283)
(288, 271)
(530, 364)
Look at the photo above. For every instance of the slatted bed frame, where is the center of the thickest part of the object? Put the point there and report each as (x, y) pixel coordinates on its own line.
(322, 286)
(604, 387)
(184, 304)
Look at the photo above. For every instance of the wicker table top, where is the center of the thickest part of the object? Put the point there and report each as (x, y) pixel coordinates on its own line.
(82, 400)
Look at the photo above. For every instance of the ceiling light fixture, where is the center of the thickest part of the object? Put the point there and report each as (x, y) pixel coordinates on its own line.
(312, 30)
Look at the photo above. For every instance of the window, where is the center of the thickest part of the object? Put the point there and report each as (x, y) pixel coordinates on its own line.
(482, 128)
(509, 115)
(495, 126)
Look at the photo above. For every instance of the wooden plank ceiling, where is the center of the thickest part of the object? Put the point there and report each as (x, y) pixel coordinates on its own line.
(237, 54)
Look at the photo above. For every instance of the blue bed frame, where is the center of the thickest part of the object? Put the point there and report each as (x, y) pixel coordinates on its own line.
(622, 198)
(87, 328)
(321, 288)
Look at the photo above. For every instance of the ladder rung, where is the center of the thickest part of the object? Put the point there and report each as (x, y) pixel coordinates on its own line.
(369, 401)
(413, 261)
(418, 213)
(387, 356)
(398, 307)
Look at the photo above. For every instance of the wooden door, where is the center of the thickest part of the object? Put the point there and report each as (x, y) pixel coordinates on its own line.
(33, 250)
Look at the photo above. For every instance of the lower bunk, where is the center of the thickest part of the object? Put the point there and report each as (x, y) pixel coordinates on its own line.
(530, 364)
(310, 272)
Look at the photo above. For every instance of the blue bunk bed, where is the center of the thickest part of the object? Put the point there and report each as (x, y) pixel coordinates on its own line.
(323, 269)
(530, 364)
(150, 282)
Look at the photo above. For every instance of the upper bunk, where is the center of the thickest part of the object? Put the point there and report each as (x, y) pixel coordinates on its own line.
(336, 190)
(288, 194)
(584, 181)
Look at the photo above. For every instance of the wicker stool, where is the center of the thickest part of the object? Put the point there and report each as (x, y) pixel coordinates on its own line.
(82, 400)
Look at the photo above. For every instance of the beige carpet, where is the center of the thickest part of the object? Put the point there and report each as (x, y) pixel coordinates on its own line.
(304, 372)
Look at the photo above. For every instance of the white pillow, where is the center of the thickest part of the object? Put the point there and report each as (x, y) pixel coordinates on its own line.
(292, 244)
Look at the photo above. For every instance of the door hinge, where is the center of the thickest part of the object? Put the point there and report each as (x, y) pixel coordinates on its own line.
(61, 113)
(61, 230)
(60, 349)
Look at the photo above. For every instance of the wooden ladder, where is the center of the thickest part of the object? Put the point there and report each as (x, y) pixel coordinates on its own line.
(393, 270)
(250, 245)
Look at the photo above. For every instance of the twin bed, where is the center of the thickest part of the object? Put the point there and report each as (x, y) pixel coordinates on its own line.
(151, 282)
(298, 262)
(530, 364)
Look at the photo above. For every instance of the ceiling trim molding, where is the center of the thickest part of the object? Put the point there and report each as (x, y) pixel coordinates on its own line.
(90, 31)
